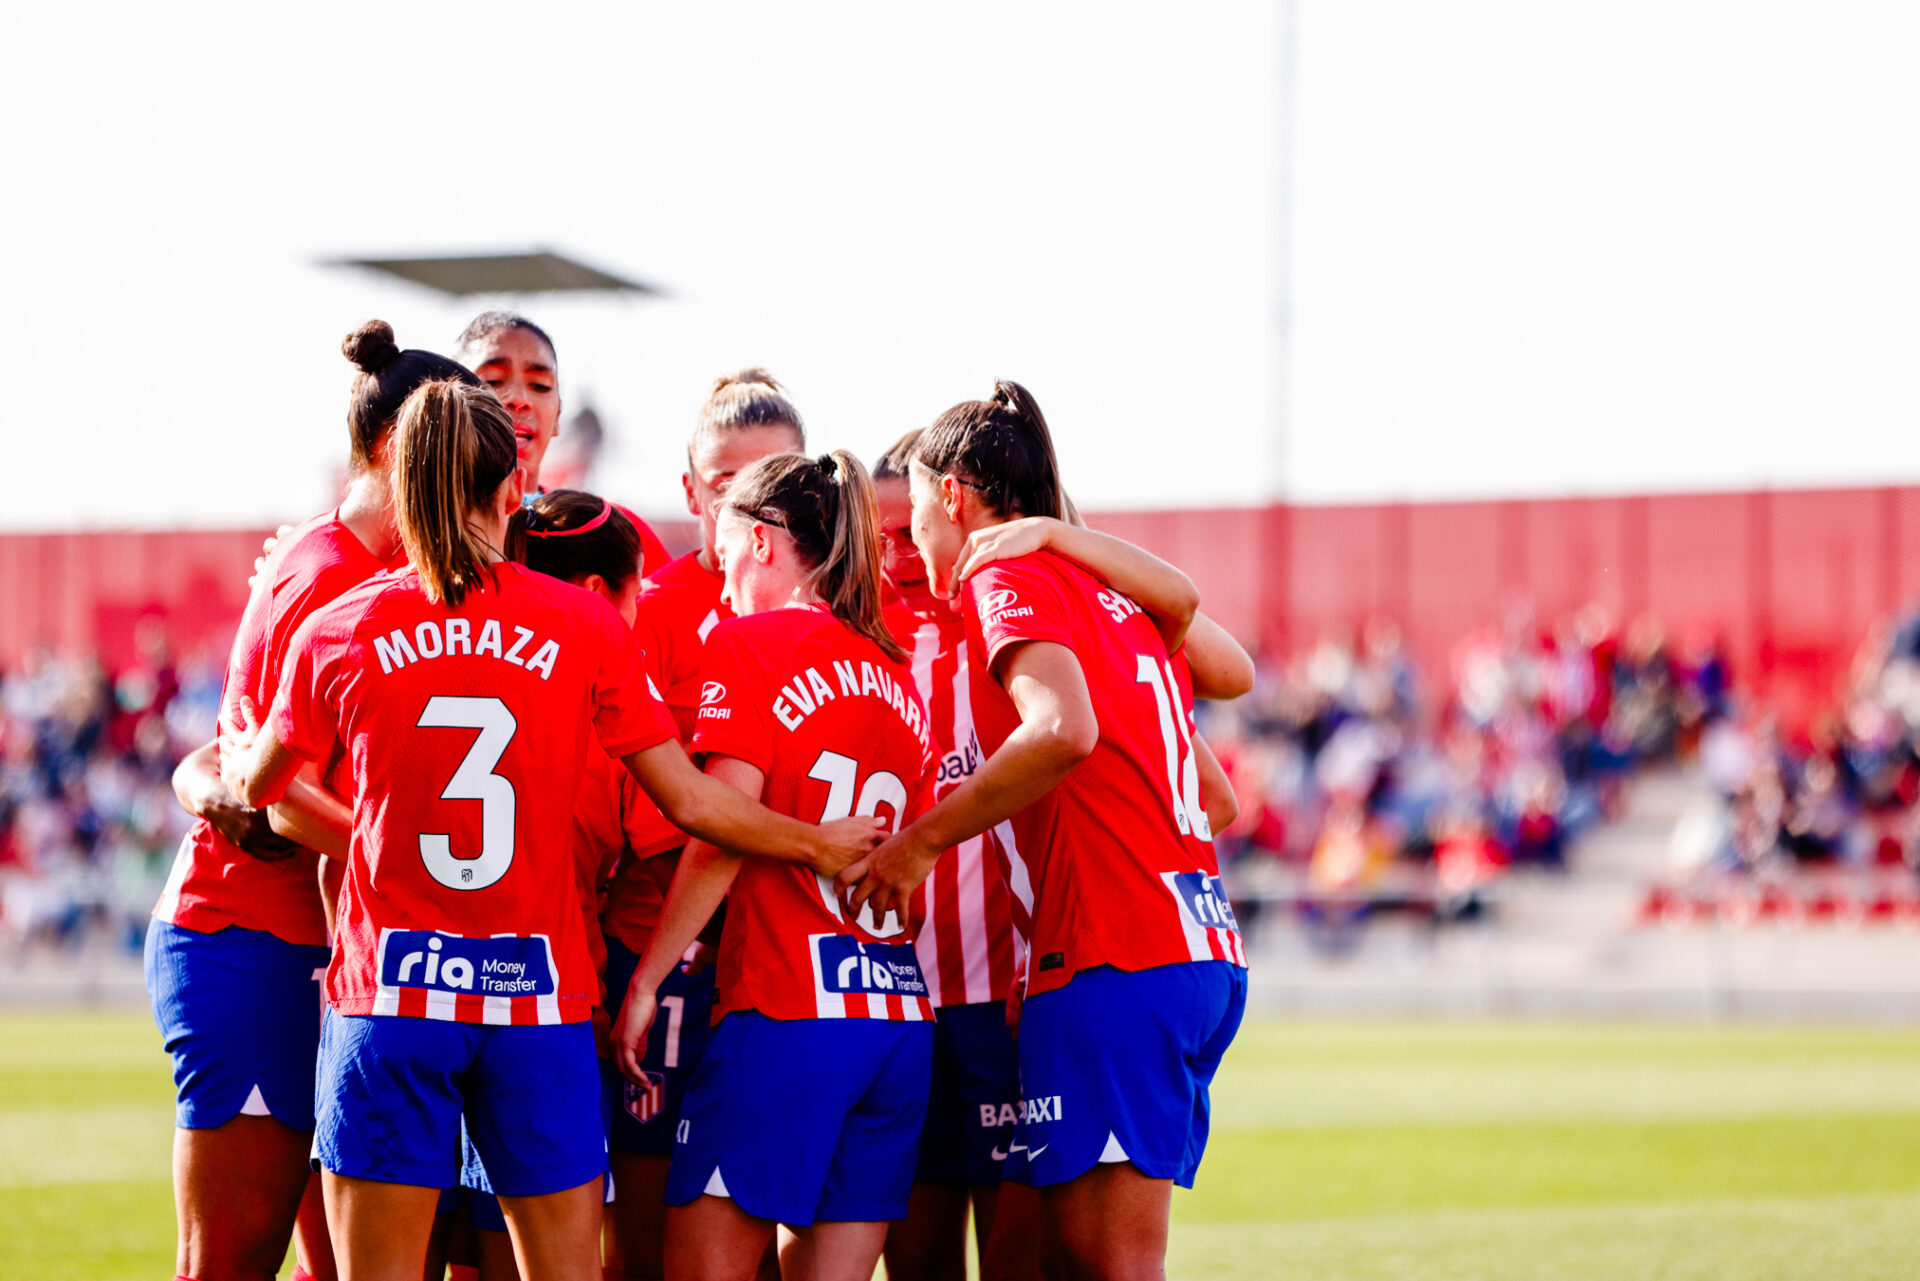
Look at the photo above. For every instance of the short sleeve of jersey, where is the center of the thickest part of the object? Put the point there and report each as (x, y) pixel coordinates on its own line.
(733, 719)
(1018, 600)
(305, 715)
(628, 715)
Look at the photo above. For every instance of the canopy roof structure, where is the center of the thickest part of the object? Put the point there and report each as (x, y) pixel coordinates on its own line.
(539, 271)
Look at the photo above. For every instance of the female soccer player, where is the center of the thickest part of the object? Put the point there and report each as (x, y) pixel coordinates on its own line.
(516, 358)
(463, 692)
(806, 1109)
(1136, 979)
(239, 939)
(582, 539)
(964, 915)
(746, 418)
(965, 937)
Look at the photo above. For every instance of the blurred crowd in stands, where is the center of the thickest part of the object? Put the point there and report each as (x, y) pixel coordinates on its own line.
(1365, 789)
(88, 820)
(1811, 824)
(1364, 786)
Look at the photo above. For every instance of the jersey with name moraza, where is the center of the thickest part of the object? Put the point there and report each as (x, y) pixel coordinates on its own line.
(1115, 865)
(968, 919)
(467, 732)
(214, 883)
(837, 729)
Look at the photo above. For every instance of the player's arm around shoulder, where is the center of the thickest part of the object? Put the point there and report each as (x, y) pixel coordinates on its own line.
(1166, 594)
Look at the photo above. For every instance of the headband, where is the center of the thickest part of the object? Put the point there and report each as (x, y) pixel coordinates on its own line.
(606, 510)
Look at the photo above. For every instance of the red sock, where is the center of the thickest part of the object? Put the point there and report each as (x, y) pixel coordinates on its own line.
(462, 1272)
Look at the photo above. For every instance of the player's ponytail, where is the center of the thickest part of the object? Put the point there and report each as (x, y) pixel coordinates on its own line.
(849, 579)
(568, 534)
(1001, 449)
(455, 448)
(387, 377)
(826, 504)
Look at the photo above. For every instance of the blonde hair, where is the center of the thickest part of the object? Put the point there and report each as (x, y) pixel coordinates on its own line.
(456, 446)
(751, 397)
(826, 504)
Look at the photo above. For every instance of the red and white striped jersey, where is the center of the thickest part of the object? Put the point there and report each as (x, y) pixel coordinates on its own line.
(466, 731)
(968, 920)
(836, 729)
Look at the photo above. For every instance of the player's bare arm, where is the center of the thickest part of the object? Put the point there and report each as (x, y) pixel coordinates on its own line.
(1215, 792)
(312, 816)
(1221, 669)
(1058, 730)
(200, 792)
(255, 765)
(301, 809)
(702, 806)
(700, 882)
(1166, 594)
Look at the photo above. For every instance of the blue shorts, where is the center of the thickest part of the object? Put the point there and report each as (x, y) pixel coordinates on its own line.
(239, 1011)
(476, 1189)
(975, 1097)
(393, 1092)
(644, 1119)
(804, 1120)
(1115, 1066)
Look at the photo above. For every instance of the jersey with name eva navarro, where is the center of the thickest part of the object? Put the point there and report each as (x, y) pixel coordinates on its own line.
(837, 729)
(466, 733)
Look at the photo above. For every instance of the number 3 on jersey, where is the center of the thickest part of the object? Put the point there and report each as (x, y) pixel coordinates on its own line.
(1183, 771)
(474, 781)
(840, 774)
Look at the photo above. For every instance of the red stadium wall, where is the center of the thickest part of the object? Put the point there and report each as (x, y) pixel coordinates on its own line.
(1792, 581)
(89, 592)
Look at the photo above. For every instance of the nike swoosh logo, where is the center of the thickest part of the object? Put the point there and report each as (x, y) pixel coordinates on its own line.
(998, 1155)
(1037, 1151)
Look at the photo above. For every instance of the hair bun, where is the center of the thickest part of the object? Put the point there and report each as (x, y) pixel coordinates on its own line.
(753, 375)
(829, 465)
(371, 347)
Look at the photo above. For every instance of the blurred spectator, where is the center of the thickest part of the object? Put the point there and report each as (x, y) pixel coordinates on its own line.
(1843, 796)
(88, 821)
(1346, 774)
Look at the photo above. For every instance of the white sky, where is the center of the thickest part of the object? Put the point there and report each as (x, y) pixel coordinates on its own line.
(1535, 247)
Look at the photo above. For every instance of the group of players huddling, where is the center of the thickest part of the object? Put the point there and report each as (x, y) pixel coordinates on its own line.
(934, 925)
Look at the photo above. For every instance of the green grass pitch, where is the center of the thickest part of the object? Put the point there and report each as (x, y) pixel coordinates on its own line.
(1340, 1150)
